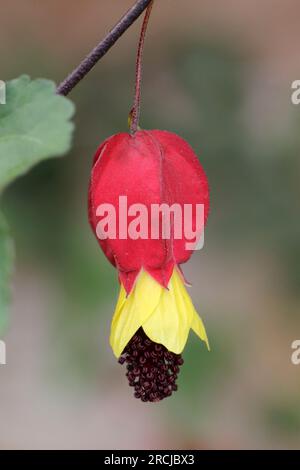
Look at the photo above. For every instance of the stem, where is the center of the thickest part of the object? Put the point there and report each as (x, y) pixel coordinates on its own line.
(103, 47)
(135, 112)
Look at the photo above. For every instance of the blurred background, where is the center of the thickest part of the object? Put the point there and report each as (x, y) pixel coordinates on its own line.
(218, 73)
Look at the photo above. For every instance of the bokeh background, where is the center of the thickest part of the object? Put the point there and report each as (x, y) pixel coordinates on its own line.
(218, 73)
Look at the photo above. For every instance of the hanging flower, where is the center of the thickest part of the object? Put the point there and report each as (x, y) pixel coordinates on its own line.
(154, 312)
(133, 174)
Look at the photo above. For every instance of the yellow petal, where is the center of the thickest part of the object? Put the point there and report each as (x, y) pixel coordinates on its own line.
(132, 311)
(173, 317)
(199, 329)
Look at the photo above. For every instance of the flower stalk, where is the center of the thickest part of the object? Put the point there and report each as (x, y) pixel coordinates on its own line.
(135, 112)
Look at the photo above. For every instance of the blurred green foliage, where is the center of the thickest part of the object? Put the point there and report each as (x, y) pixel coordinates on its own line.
(254, 203)
(7, 258)
(34, 126)
(201, 377)
(283, 417)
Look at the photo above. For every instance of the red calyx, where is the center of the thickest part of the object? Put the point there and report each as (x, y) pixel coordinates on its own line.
(149, 167)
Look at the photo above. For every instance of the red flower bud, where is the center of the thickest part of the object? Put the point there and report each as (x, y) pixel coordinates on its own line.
(149, 167)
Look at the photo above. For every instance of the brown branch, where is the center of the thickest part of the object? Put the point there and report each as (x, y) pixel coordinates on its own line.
(103, 47)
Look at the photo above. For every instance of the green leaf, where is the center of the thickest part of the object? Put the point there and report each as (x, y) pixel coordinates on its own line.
(34, 125)
(7, 258)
